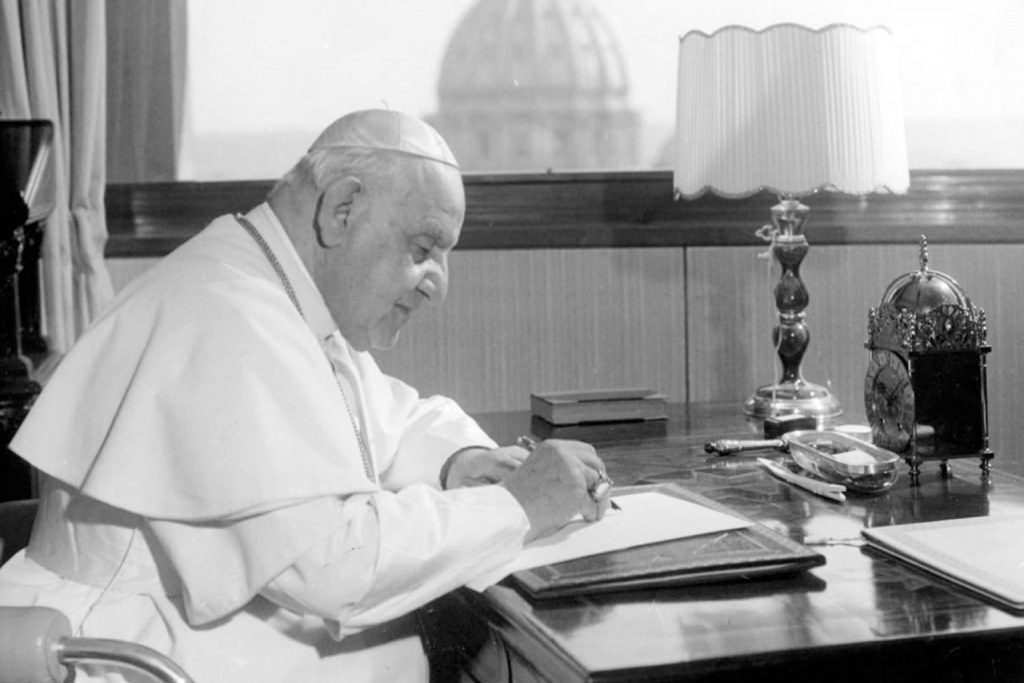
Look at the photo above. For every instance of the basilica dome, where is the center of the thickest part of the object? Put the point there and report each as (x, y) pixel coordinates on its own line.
(536, 84)
(562, 48)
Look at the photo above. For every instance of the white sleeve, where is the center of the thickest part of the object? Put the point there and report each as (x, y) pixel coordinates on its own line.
(435, 428)
(391, 553)
(411, 436)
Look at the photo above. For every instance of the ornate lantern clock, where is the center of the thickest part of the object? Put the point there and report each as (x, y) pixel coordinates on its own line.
(925, 391)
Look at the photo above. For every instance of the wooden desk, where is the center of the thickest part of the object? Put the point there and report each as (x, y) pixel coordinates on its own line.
(860, 617)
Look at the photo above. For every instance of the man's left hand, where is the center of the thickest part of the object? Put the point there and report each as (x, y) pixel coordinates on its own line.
(482, 466)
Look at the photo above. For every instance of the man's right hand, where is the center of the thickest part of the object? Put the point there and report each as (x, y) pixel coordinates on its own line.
(553, 485)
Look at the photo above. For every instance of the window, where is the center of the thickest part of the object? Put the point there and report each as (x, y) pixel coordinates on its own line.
(264, 78)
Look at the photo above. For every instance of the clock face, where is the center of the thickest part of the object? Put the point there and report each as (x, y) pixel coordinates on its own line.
(889, 401)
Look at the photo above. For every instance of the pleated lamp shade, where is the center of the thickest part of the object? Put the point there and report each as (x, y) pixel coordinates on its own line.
(791, 110)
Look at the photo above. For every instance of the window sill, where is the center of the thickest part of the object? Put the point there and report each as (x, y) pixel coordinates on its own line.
(627, 209)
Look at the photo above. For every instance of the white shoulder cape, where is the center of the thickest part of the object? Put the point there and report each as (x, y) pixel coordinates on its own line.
(200, 394)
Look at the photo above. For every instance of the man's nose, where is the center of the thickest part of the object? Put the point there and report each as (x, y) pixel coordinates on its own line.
(435, 283)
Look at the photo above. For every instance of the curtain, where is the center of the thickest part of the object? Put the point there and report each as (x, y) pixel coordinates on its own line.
(147, 60)
(53, 57)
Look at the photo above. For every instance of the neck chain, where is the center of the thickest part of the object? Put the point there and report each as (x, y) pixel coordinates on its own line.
(364, 450)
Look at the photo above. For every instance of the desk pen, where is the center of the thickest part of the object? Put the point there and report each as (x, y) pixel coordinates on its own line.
(601, 486)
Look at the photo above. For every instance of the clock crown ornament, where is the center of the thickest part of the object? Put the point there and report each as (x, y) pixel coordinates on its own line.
(925, 310)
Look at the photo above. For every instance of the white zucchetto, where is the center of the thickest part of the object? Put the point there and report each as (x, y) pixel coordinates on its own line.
(389, 130)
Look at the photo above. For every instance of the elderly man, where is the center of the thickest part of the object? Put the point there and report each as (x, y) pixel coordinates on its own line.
(227, 475)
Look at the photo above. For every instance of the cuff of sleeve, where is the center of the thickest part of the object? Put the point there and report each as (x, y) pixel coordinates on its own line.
(442, 476)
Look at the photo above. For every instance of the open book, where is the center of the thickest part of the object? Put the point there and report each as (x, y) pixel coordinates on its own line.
(663, 535)
(982, 554)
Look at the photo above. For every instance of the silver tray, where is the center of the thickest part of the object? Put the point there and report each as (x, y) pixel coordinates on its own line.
(843, 459)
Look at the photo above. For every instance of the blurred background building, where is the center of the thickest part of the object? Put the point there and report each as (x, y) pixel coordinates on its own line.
(527, 85)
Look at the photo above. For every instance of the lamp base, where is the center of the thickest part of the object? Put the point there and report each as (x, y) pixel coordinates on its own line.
(786, 398)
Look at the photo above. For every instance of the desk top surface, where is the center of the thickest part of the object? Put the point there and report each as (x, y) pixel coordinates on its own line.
(858, 603)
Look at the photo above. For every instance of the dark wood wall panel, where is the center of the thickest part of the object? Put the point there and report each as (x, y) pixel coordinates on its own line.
(522, 321)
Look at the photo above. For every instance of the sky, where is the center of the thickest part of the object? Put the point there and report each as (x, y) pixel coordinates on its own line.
(298, 64)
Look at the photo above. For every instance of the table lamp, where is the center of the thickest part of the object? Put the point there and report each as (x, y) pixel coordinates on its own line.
(794, 111)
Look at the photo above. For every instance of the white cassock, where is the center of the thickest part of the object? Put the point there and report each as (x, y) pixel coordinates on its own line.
(206, 495)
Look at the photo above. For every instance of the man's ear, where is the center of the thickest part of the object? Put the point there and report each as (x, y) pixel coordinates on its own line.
(333, 208)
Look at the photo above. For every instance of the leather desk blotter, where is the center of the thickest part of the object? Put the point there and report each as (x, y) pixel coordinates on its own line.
(736, 555)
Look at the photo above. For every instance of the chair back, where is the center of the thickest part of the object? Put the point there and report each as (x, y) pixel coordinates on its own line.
(28, 645)
(36, 647)
(16, 518)
(35, 642)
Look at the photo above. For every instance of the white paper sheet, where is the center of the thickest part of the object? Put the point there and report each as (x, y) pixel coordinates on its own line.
(645, 517)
